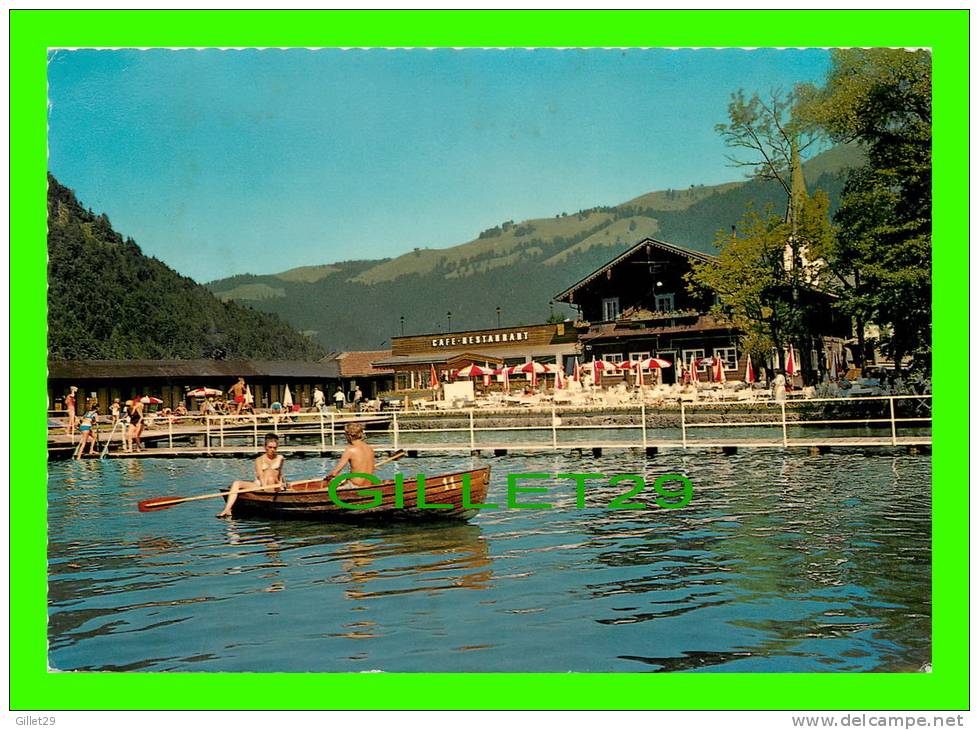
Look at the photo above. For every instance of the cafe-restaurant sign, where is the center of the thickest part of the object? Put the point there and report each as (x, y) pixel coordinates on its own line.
(481, 339)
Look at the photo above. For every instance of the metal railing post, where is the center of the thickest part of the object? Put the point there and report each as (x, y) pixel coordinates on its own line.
(472, 431)
(683, 423)
(221, 424)
(169, 430)
(553, 425)
(785, 430)
(394, 421)
(642, 415)
(255, 428)
(207, 431)
(893, 423)
(333, 428)
(322, 432)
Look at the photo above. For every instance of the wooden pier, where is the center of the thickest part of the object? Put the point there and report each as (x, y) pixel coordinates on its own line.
(558, 429)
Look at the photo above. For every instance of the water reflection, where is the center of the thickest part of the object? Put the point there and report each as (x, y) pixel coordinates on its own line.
(781, 562)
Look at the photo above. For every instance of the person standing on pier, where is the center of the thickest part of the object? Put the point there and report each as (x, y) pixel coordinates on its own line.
(88, 424)
(135, 425)
(778, 387)
(70, 407)
(319, 399)
(339, 398)
(238, 393)
(358, 455)
(268, 472)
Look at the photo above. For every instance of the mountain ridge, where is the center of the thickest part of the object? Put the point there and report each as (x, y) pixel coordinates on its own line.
(515, 266)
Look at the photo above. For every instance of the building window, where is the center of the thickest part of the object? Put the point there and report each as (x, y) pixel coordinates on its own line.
(615, 357)
(664, 303)
(691, 355)
(638, 356)
(610, 308)
(729, 355)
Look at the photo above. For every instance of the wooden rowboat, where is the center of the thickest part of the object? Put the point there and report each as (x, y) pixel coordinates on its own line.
(311, 500)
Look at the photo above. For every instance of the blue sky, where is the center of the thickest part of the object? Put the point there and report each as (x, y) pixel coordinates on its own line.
(256, 161)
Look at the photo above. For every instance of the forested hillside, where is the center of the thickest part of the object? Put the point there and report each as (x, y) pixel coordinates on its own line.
(107, 300)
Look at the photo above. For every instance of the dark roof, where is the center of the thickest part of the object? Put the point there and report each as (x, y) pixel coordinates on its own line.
(357, 364)
(663, 245)
(230, 369)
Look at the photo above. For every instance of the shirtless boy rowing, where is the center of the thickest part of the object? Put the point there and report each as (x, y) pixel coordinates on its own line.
(358, 455)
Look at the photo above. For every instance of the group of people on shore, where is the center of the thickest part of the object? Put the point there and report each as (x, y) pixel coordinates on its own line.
(130, 413)
(339, 399)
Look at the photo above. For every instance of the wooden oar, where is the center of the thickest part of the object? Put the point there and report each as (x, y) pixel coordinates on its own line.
(159, 503)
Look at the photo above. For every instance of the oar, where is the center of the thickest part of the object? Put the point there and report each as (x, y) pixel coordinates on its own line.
(159, 503)
(109, 440)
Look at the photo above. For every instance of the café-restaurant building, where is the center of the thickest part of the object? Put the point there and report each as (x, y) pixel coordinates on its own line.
(413, 357)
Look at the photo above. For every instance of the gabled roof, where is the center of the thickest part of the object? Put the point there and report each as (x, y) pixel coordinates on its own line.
(662, 245)
(357, 364)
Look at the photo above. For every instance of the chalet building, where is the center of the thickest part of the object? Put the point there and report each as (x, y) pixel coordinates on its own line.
(355, 369)
(413, 357)
(170, 380)
(638, 305)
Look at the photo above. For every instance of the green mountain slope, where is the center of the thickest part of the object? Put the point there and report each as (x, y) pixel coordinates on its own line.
(107, 300)
(516, 266)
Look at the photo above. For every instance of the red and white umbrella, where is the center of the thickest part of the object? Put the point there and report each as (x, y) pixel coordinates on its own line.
(694, 364)
(651, 363)
(719, 376)
(558, 379)
(597, 366)
(576, 375)
(150, 399)
(434, 377)
(203, 392)
(473, 371)
(749, 373)
(531, 367)
(790, 366)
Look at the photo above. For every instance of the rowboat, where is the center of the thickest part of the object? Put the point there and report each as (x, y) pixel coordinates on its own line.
(455, 496)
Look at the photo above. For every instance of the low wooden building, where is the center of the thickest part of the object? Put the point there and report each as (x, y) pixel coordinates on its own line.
(413, 357)
(355, 369)
(170, 380)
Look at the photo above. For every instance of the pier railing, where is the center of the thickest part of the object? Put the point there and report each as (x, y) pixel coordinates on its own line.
(897, 420)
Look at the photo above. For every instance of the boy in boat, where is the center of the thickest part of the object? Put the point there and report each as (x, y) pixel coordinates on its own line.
(358, 455)
(268, 472)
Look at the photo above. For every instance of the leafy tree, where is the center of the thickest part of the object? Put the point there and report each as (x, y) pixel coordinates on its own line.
(762, 288)
(765, 135)
(768, 270)
(882, 254)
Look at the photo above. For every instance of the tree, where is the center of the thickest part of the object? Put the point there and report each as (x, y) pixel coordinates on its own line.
(767, 270)
(882, 254)
(765, 133)
(763, 289)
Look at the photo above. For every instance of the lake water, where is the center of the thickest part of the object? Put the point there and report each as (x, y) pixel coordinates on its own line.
(782, 562)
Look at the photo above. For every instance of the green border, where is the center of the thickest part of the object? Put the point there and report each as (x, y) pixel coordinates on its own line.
(32, 32)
